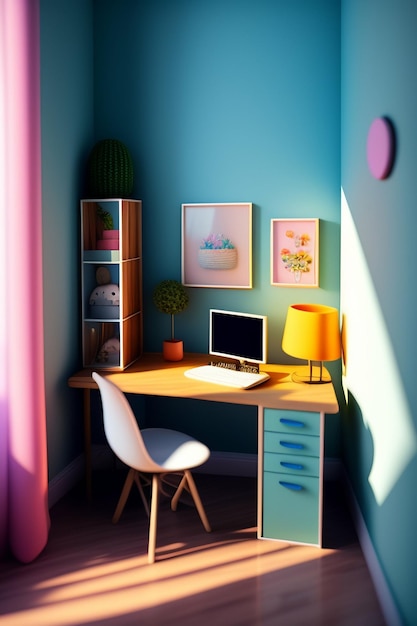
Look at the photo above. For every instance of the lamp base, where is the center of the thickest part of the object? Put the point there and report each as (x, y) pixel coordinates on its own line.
(311, 375)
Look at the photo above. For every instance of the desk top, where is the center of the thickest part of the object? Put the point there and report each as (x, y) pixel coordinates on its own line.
(152, 375)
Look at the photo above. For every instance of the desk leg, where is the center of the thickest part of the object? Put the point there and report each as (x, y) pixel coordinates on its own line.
(87, 442)
(260, 471)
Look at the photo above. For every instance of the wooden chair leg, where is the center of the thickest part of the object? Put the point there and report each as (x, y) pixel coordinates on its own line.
(196, 497)
(132, 476)
(153, 522)
(177, 494)
(124, 495)
(142, 495)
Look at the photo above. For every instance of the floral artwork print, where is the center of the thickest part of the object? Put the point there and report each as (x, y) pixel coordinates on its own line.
(298, 259)
(295, 252)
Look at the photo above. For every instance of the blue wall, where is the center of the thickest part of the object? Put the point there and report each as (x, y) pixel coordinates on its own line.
(379, 48)
(234, 101)
(219, 102)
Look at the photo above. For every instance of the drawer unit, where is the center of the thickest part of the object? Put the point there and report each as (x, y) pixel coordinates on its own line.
(292, 476)
(290, 507)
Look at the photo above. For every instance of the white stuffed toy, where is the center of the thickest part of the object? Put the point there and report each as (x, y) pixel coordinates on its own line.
(109, 349)
(105, 295)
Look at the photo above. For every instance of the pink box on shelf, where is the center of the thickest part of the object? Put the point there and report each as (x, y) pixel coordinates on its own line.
(110, 240)
(110, 234)
(108, 244)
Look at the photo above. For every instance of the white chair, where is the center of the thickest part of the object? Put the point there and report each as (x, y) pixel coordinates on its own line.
(155, 451)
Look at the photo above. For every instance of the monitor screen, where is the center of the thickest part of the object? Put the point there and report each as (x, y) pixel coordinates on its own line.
(240, 336)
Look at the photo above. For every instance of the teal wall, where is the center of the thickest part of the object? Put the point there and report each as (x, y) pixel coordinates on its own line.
(219, 102)
(225, 102)
(67, 134)
(379, 49)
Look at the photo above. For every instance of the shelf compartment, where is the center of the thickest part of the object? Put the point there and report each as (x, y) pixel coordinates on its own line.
(95, 336)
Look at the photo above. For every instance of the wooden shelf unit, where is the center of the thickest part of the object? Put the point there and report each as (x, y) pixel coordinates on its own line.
(111, 284)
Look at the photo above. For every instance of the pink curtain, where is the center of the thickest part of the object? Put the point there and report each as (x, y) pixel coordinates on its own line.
(24, 517)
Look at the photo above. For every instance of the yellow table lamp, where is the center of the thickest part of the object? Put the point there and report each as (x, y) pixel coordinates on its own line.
(312, 333)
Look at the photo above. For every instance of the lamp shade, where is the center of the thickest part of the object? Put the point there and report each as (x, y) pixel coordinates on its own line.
(312, 332)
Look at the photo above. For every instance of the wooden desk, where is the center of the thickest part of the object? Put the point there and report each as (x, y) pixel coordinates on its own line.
(153, 376)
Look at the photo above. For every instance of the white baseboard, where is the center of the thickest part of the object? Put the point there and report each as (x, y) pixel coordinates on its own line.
(230, 464)
(383, 592)
(224, 463)
(63, 482)
(72, 474)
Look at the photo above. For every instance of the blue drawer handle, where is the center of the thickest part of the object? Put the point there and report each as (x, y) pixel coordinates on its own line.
(294, 423)
(293, 466)
(289, 444)
(292, 486)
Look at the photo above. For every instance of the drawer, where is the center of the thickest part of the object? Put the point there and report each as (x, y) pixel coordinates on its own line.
(291, 508)
(292, 464)
(305, 422)
(286, 443)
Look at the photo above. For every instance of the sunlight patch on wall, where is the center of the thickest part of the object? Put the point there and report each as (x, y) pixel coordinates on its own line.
(370, 372)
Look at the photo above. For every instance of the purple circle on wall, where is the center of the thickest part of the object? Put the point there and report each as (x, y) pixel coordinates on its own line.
(380, 148)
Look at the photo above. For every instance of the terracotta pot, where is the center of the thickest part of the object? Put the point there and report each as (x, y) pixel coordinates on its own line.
(173, 350)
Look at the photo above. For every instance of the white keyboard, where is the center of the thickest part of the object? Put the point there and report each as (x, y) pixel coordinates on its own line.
(226, 377)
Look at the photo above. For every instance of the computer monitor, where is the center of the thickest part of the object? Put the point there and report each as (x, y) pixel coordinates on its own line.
(241, 336)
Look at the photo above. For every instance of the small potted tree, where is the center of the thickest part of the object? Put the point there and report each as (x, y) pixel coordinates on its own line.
(170, 297)
(108, 235)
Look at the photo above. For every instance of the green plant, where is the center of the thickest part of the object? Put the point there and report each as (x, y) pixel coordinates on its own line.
(170, 297)
(110, 170)
(216, 242)
(106, 218)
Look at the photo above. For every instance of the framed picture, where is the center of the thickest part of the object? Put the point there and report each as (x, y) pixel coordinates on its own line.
(217, 245)
(295, 252)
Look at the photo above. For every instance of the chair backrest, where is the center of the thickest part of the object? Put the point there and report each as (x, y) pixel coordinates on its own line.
(121, 428)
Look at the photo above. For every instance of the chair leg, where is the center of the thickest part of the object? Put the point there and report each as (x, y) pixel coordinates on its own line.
(177, 494)
(153, 519)
(166, 480)
(142, 495)
(132, 476)
(124, 495)
(196, 497)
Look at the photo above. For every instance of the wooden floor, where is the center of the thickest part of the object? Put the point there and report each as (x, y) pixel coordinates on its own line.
(93, 572)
